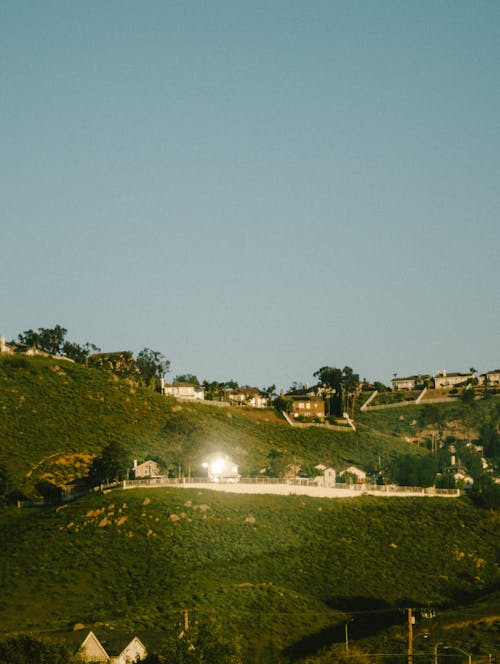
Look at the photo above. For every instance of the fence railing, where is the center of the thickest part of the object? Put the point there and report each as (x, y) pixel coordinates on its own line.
(295, 481)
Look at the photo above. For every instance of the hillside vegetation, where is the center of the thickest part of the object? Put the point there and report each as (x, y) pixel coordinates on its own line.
(274, 570)
(56, 416)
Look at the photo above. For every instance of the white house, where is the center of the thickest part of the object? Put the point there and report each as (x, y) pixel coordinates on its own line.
(221, 469)
(452, 379)
(147, 469)
(492, 377)
(464, 479)
(328, 479)
(248, 397)
(183, 391)
(354, 471)
(4, 347)
(133, 652)
(410, 382)
(92, 650)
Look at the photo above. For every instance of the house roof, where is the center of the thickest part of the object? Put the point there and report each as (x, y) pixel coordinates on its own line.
(416, 377)
(111, 643)
(454, 374)
(304, 397)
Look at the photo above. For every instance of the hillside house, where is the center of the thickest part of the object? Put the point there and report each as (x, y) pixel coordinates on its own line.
(453, 379)
(92, 650)
(353, 474)
(411, 382)
(328, 478)
(147, 469)
(221, 469)
(5, 348)
(307, 406)
(183, 391)
(248, 397)
(463, 479)
(491, 378)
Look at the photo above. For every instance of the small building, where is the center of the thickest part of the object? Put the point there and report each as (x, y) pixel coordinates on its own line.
(92, 650)
(5, 348)
(411, 382)
(248, 396)
(221, 469)
(453, 379)
(328, 478)
(307, 406)
(183, 391)
(491, 378)
(463, 479)
(147, 469)
(353, 474)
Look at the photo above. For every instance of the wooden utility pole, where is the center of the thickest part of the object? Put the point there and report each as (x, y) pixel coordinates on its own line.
(410, 636)
(186, 620)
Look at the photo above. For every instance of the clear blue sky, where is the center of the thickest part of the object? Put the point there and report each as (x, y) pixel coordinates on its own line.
(256, 189)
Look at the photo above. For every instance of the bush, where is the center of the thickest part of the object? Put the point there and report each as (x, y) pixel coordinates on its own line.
(26, 649)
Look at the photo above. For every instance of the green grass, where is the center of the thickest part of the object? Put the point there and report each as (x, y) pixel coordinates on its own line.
(285, 567)
(56, 415)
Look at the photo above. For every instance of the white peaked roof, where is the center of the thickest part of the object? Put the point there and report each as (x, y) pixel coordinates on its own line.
(92, 650)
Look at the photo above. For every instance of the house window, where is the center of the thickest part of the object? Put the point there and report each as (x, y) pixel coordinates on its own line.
(308, 405)
(301, 405)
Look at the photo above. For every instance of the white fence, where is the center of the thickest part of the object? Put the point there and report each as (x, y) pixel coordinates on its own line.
(299, 486)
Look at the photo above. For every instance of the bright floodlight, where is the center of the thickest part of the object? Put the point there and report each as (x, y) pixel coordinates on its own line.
(217, 466)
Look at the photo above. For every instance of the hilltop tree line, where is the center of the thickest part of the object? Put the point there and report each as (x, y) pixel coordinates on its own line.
(148, 367)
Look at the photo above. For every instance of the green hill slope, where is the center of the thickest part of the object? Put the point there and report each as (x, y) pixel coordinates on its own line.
(273, 569)
(55, 416)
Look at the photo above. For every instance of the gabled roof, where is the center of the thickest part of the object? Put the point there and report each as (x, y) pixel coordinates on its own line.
(90, 641)
(116, 644)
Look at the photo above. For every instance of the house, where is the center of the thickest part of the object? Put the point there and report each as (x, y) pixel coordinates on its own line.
(248, 396)
(4, 347)
(328, 478)
(492, 377)
(147, 469)
(452, 379)
(221, 469)
(353, 475)
(463, 479)
(307, 406)
(92, 650)
(411, 382)
(183, 391)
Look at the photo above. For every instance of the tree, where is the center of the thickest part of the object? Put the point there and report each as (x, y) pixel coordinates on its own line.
(187, 378)
(5, 484)
(340, 386)
(270, 393)
(412, 470)
(152, 366)
(27, 649)
(120, 363)
(50, 492)
(50, 340)
(113, 464)
(79, 353)
(200, 644)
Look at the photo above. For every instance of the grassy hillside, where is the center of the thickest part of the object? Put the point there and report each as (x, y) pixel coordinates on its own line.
(276, 570)
(55, 416)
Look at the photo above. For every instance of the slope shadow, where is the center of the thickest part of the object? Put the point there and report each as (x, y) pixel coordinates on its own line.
(365, 616)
